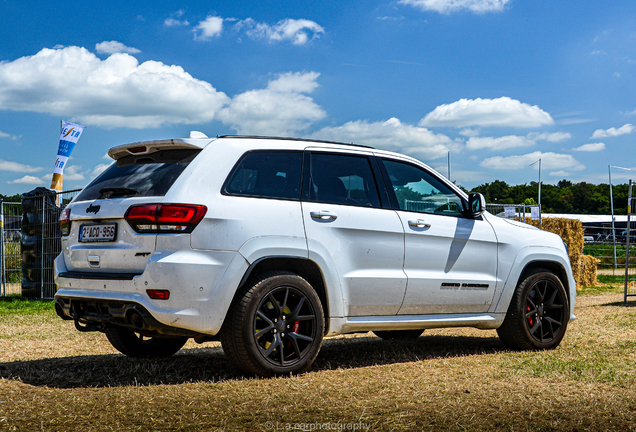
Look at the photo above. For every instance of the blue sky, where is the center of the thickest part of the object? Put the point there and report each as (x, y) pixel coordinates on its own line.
(497, 83)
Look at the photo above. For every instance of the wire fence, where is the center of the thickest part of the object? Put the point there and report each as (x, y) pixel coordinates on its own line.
(630, 246)
(30, 242)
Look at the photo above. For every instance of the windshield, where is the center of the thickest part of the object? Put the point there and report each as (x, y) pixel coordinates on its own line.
(143, 175)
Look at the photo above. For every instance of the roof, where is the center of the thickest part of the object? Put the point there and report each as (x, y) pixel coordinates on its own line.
(293, 139)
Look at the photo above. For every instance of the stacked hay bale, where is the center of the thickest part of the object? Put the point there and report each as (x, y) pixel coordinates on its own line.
(571, 231)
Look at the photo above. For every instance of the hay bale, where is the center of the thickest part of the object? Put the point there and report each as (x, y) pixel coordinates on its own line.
(587, 271)
(571, 231)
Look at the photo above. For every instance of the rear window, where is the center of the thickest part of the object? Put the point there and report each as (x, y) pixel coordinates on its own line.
(267, 174)
(142, 175)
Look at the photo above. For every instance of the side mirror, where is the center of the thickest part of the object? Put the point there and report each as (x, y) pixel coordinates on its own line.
(476, 204)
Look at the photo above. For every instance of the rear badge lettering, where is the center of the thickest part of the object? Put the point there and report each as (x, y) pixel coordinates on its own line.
(93, 209)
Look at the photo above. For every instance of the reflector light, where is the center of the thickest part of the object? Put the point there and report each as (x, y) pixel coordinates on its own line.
(158, 294)
(137, 149)
(65, 221)
(165, 218)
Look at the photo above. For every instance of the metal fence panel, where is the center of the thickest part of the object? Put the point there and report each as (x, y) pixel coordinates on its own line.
(11, 254)
(630, 246)
(30, 243)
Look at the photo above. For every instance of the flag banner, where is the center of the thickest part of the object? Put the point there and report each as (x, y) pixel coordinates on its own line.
(535, 213)
(509, 212)
(68, 138)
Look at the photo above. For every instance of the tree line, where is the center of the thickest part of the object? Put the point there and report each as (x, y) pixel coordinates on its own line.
(564, 197)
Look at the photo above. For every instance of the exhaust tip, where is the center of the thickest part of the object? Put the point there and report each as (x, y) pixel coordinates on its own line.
(59, 310)
(135, 319)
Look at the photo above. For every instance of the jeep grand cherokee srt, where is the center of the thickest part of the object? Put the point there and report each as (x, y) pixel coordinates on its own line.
(271, 244)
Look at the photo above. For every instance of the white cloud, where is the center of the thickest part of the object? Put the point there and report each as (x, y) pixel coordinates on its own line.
(27, 179)
(100, 168)
(391, 135)
(562, 174)
(115, 92)
(71, 173)
(548, 161)
(514, 141)
(487, 112)
(172, 20)
(113, 47)
(593, 147)
(612, 132)
(550, 137)
(501, 143)
(468, 132)
(448, 6)
(17, 167)
(208, 28)
(279, 109)
(299, 32)
(11, 137)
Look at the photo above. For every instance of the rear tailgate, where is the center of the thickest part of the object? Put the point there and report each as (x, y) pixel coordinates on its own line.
(108, 244)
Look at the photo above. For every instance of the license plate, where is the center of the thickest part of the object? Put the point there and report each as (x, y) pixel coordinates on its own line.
(97, 233)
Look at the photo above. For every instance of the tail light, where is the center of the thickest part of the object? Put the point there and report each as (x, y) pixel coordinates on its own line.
(158, 294)
(165, 218)
(65, 221)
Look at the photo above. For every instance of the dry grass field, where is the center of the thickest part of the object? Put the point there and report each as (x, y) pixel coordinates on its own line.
(55, 378)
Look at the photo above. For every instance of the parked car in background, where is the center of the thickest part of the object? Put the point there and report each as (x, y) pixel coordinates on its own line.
(271, 244)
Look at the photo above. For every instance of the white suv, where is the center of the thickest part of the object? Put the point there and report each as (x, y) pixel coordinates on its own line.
(271, 244)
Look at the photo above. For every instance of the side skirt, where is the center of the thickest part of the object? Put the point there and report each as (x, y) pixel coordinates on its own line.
(413, 322)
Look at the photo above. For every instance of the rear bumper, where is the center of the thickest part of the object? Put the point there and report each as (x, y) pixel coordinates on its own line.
(201, 284)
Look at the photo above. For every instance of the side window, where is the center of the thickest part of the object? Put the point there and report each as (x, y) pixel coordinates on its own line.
(419, 191)
(268, 174)
(342, 179)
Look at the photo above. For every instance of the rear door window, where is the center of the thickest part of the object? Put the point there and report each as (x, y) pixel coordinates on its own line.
(266, 174)
(342, 179)
(139, 175)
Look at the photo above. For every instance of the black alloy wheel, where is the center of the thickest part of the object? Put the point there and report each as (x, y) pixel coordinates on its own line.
(538, 314)
(284, 326)
(545, 311)
(275, 326)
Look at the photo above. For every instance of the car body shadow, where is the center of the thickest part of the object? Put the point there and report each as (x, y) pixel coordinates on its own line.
(210, 365)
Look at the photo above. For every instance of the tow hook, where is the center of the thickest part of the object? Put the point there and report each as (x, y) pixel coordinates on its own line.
(89, 327)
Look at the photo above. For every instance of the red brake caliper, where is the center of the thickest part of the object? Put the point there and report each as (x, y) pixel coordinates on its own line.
(530, 320)
(296, 326)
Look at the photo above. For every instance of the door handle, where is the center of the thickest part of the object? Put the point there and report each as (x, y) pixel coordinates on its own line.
(419, 223)
(323, 215)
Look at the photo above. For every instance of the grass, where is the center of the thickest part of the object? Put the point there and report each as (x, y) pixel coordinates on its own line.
(55, 378)
(17, 305)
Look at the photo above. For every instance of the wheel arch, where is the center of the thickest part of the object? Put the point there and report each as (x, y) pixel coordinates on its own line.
(303, 267)
(552, 266)
(527, 261)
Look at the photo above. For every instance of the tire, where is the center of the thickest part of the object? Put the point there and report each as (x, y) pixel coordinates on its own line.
(398, 334)
(275, 327)
(538, 314)
(134, 345)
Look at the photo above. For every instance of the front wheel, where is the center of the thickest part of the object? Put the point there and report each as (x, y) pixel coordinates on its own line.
(276, 328)
(538, 313)
(135, 345)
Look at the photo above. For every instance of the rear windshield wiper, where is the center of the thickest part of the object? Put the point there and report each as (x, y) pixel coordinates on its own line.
(116, 191)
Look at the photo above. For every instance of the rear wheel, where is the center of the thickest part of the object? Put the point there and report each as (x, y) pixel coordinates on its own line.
(398, 334)
(276, 328)
(538, 313)
(135, 345)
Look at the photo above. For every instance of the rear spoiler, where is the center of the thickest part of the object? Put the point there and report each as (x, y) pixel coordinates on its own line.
(148, 147)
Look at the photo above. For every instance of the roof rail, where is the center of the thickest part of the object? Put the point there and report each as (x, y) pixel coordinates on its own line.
(293, 139)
